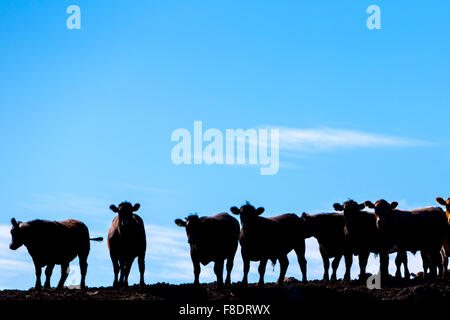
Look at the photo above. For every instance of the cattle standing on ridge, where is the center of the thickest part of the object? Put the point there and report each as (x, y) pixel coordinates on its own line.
(361, 228)
(50, 243)
(446, 246)
(212, 238)
(328, 229)
(264, 239)
(416, 230)
(126, 241)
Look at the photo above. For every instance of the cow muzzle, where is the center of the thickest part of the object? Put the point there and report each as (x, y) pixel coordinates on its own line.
(13, 246)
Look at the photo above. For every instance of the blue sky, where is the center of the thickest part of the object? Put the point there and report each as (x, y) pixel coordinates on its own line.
(86, 115)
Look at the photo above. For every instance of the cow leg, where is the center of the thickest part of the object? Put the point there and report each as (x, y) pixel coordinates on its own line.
(196, 264)
(348, 265)
(445, 266)
(440, 264)
(128, 265)
(116, 267)
(326, 265)
(38, 271)
(444, 262)
(141, 262)
(218, 270)
(122, 263)
(48, 274)
(246, 262)
(262, 271)
(425, 263)
(384, 266)
(431, 264)
(399, 260)
(284, 263)
(300, 252)
(436, 263)
(363, 257)
(335, 266)
(83, 270)
(230, 261)
(64, 274)
(405, 265)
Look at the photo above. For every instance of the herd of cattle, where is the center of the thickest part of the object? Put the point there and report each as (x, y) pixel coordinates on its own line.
(351, 231)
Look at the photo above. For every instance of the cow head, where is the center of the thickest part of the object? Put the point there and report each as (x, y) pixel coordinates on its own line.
(192, 224)
(125, 210)
(17, 235)
(384, 212)
(351, 209)
(247, 213)
(308, 224)
(446, 204)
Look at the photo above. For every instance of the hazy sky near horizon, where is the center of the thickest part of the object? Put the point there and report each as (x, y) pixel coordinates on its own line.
(86, 115)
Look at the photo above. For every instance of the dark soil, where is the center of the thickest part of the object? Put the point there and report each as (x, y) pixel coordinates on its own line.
(292, 291)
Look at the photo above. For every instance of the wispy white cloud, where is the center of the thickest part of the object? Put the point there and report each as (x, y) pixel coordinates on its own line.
(296, 139)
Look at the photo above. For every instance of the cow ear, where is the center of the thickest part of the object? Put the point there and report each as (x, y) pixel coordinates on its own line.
(441, 201)
(259, 211)
(136, 207)
(369, 204)
(338, 207)
(180, 223)
(14, 222)
(304, 215)
(235, 210)
(361, 206)
(114, 208)
(394, 204)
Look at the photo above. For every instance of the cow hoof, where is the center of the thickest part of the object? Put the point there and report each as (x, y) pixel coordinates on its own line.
(261, 284)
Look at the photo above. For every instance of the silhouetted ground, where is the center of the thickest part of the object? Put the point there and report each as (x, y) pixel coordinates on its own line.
(293, 291)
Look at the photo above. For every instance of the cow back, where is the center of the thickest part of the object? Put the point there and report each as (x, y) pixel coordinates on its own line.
(216, 238)
(127, 238)
(52, 242)
(419, 229)
(271, 237)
